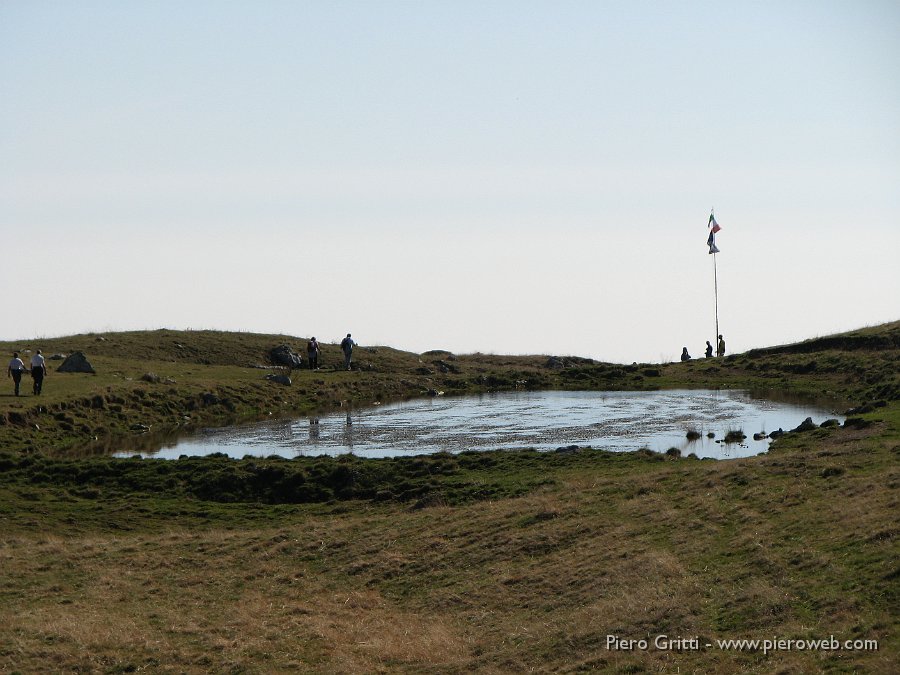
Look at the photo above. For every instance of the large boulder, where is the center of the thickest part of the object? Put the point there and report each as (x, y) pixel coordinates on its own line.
(76, 363)
(283, 355)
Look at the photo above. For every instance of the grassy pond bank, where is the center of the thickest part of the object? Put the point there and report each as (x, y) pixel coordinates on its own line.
(505, 561)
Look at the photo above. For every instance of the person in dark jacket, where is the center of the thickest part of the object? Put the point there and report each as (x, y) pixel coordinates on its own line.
(347, 345)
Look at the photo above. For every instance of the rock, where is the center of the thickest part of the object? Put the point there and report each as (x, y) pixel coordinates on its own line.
(76, 363)
(673, 452)
(554, 363)
(758, 436)
(567, 448)
(208, 399)
(806, 425)
(445, 367)
(283, 355)
(424, 371)
(150, 377)
(16, 417)
(279, 379)
(778, 433)
(57, 357)
(140, 428)
(827, 424)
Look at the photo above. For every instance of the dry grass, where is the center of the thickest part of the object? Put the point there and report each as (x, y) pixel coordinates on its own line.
(800, 543)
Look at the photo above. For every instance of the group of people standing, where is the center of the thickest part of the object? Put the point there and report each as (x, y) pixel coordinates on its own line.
(720, 350)
(17, 368)
(313, 351)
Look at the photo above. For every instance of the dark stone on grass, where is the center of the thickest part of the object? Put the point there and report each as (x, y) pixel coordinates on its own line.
(283, 355)
(806, 425)
(153, 378)
(76, 363)
(829, 471)
(16, 418)
(554, 363)
(140, 428)
(651, 372)
(57, 357)
(778, 433)
(279, 379)
(856, 423)
(673, 452)
(424, 371)
(567, 448)
(859, 410)
(208, 399)
(445, 367)
(827, 424)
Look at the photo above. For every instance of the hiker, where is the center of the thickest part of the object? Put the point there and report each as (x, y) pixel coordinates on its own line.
(347, 345)
(721, 350)
(684, 354)
(38, 371)
(709, 350)
(312, 351)
(15, 369)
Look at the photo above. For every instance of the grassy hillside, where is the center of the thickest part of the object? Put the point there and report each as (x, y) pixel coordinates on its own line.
(496, 562)
(205, 378)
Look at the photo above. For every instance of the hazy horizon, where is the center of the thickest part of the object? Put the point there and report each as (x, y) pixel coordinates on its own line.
(502, 178)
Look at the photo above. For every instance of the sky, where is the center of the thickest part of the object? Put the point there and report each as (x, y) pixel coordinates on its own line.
(498, 177)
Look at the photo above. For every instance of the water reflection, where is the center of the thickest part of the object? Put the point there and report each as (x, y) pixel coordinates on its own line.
(617, 421)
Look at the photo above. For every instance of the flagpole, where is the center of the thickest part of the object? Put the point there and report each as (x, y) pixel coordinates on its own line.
(712, 212)
(716, 286)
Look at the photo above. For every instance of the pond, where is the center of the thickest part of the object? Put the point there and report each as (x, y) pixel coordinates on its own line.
(620, 421)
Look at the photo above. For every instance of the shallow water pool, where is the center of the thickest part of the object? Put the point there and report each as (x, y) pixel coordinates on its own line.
(620, 421)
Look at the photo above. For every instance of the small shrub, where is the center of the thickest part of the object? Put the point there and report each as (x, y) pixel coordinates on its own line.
(735, 436)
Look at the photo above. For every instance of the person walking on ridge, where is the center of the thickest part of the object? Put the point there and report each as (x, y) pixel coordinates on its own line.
(709, 350)
(312, 351)
(347, 345)
(15, 369)
(720, 352)
(38, 371)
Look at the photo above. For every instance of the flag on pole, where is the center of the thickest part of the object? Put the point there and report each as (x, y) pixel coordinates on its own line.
(711, 239)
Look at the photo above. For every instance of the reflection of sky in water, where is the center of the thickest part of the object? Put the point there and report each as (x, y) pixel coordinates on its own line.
(617, 421)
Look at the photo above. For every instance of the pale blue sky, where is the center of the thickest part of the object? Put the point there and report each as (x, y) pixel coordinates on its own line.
(492, 176)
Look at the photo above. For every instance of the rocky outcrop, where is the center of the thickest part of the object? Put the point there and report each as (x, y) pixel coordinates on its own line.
(806, 425)
(279, 379)
(283, 355)
(76, 363)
